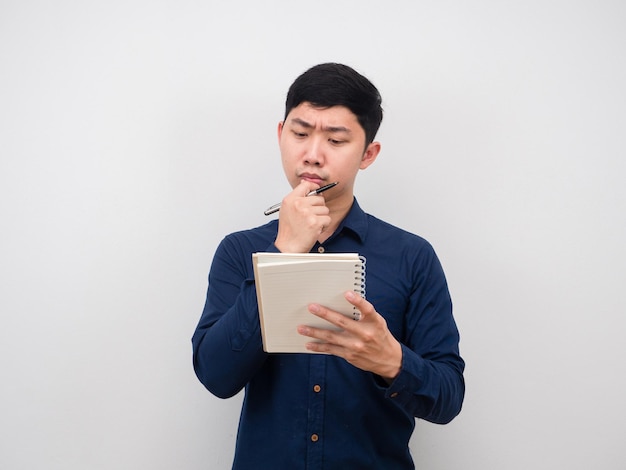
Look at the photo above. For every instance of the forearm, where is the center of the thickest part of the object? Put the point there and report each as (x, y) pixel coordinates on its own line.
(228, 351)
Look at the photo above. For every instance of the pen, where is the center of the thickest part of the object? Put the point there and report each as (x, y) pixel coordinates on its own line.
(276, 207)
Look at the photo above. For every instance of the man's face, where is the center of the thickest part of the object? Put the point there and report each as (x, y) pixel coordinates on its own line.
(323, 145)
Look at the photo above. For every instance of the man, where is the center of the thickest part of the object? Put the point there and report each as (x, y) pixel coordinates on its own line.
(353, 407)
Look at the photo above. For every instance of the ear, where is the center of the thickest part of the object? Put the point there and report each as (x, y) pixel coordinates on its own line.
(280, 129)
(370, 154)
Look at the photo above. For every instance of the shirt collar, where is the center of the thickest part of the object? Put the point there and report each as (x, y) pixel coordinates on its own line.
(355, 222)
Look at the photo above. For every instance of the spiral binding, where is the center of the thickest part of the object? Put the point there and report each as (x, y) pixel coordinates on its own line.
(359, 285)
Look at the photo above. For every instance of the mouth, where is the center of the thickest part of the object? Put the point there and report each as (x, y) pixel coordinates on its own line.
(313, 178)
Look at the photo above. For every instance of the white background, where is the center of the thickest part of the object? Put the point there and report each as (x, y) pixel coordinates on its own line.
(134, 135)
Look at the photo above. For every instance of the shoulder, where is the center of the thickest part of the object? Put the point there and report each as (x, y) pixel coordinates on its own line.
(398, 252)
(234, 252)
(379, 229)
(376, 232)
(399, 247)
(252, 239)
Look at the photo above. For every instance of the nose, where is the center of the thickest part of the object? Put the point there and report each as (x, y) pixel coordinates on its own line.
(314, 154)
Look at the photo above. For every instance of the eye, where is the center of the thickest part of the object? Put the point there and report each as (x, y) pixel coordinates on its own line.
(299, 135)
(336, 141)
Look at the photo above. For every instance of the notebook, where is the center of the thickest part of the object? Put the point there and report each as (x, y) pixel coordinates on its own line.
(286, 283)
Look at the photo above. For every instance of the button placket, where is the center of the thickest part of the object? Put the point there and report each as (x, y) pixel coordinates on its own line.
(315, 425)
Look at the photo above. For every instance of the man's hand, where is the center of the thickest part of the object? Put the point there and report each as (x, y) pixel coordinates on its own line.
(367, 344)
(301, 220)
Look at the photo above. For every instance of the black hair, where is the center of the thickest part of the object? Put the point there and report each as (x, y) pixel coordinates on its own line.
(331, 84)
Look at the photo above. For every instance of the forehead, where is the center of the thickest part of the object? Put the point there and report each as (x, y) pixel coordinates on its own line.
(332, 117)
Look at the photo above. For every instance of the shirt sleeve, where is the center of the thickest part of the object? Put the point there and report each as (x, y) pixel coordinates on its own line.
(430, 384)
(227, 345)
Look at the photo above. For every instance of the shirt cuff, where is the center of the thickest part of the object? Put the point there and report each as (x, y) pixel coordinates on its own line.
(408, 379)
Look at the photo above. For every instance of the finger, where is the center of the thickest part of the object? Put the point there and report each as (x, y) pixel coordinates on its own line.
(325, 340)
(340, 320)
(325, 335)
(363, 307)
(305, 187)
(324, 348)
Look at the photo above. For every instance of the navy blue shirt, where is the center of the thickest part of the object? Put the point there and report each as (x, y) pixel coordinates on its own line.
(313, 411)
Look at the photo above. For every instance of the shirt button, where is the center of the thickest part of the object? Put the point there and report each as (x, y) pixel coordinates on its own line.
(321, 249)
(394, 395)
(317, 388)
(315, 437)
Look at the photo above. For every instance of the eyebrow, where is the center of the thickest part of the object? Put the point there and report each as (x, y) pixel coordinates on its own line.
(308, 125)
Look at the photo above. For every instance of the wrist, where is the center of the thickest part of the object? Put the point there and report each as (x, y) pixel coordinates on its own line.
(290, 246)
(395, 365)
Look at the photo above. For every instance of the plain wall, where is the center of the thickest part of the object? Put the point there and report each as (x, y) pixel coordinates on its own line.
(134, 135)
